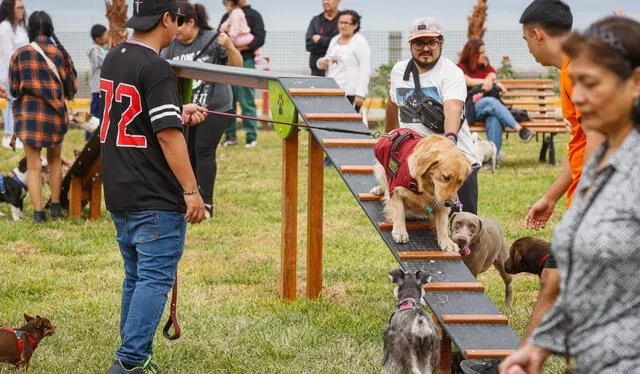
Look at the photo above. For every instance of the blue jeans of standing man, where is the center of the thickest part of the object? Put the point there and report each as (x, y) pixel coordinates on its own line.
(151, 243)
(495, 115)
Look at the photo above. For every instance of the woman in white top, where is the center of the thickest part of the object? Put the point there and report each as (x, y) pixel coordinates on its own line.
(348, 59)
(13, 35)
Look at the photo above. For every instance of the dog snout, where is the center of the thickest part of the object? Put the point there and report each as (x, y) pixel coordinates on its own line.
(449, 203)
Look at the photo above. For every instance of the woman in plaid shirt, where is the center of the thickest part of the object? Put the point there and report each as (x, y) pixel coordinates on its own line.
(40, 112)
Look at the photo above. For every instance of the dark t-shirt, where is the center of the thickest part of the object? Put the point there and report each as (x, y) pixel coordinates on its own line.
(481, 72)
(213, 96)
(327, 29)
(139, 98)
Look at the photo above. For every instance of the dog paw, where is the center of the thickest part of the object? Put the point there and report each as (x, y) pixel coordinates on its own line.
(377, 190)
(448, 246)
(400, 237)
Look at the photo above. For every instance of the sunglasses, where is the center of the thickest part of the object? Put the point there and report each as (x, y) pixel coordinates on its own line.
(179, 17)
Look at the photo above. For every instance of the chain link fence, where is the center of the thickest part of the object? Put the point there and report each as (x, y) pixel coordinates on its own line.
(286, 51)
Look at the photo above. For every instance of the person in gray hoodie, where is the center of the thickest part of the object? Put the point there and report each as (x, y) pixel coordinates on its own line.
(196, 41)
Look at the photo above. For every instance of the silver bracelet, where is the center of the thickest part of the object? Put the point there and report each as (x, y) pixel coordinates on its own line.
(189, 193)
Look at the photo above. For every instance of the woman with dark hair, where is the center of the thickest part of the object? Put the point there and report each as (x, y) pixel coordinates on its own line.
(40, 112)
(196, 42)
(348, 59)
(478, 72)
(13, 35)
(596, 317)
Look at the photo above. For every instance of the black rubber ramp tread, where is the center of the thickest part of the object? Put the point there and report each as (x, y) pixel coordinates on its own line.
(453, 289)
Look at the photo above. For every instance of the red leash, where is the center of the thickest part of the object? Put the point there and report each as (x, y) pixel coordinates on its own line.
(332, 129)
(173, 318)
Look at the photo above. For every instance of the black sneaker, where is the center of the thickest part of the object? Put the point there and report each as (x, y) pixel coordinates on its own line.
(525, 134)
(39, 216)
(56, 211)
(480, 366)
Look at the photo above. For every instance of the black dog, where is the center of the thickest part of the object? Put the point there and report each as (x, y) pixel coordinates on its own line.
(13, 189)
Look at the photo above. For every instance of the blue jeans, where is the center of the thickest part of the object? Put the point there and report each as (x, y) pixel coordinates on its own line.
(151, 244)
(495, 115)
(8, 113)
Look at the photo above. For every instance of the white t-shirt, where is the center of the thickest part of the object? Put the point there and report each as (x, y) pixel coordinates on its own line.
(350, 64)
(10, 41)
(445, 81)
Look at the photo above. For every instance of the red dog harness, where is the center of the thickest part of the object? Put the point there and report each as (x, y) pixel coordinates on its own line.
(19, 334)
(392, 153)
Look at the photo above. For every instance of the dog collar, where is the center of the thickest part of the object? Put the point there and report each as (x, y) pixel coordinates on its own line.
(405, 304)
(543, 260)
(19, 334)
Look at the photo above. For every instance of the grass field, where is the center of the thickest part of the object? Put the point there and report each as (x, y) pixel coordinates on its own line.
(232, 318)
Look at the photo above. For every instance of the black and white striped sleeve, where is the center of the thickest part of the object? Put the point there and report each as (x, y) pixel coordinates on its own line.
(163, 101)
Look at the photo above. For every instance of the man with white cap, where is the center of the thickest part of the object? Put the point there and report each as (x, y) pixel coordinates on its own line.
(441, 82)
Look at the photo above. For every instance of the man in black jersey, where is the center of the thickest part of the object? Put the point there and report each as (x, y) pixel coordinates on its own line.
(149, 186)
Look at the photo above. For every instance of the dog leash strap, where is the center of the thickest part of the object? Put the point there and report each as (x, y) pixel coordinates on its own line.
(173, 319)
(330, 129)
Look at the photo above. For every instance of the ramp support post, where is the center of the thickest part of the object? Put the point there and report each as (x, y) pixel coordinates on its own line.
(289, 216)
(314, 218)
(446, 355)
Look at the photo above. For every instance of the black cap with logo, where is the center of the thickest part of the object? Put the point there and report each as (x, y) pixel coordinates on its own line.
(147, 13)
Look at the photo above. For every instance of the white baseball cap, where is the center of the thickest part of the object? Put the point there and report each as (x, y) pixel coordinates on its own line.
(425, 27)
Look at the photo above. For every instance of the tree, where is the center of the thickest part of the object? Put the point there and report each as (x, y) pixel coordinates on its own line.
(477, 19)
(117, 16)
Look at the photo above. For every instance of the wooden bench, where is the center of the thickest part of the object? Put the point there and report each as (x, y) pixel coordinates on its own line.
(538, 97)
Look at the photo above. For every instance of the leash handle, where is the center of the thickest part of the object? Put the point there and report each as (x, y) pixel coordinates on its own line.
(173, 319)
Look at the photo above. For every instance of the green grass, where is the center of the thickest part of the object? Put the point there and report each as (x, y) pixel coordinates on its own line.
(232, 317)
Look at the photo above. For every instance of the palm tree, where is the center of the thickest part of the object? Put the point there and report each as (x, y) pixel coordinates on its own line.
(477, 19)
(117, 16)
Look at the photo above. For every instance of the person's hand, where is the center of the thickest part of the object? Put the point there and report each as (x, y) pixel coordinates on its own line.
(358, 101)
(539, 214)
(322, 64)
(3, 92)
(487, 85)
(503, 89)
(243, 48)
(195, 208)
(316, 38)
(619, 12)
(193, 114)
(526, 360)
(224, 40)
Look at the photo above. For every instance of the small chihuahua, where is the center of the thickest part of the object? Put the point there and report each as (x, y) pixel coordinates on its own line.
(17, 345)
(411, 339)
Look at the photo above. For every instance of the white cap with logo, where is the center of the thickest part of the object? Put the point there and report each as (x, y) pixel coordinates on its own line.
(425, 27)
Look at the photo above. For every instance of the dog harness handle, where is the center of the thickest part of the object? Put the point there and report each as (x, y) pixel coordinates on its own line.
(173, 319)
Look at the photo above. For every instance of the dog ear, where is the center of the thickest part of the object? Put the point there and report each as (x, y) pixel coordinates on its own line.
(396, 275)
(421, 163)
(422, 277)
(451, 217)
(27, 317)
(38, 322)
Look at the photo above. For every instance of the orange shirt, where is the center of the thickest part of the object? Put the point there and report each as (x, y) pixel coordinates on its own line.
(578, 142)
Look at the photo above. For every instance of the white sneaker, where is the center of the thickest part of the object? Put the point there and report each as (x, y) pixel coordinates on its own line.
(19, 144)
(251, 144)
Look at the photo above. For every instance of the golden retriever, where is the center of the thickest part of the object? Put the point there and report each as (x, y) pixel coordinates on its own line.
(439, 168)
